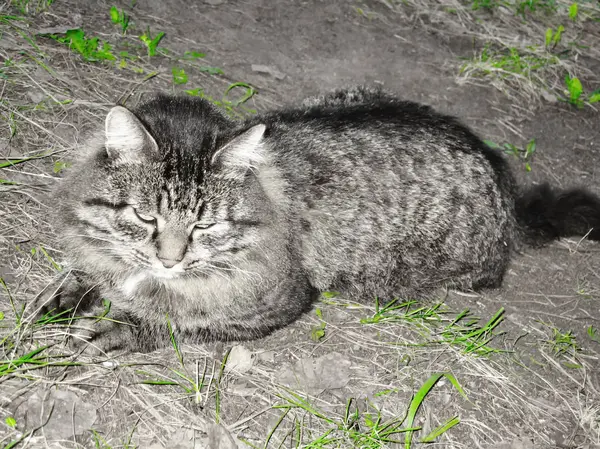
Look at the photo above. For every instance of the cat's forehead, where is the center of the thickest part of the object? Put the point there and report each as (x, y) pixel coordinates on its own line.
(183, 123)
(177, 198)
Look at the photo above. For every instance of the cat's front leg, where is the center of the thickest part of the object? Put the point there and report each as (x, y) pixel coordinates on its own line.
(68, 290)
(95, 324)
(100, 331)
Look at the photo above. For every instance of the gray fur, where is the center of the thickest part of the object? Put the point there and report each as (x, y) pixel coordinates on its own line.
(354, 191)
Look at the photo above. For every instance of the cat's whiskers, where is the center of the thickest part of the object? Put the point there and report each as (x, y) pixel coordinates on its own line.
(233, 268)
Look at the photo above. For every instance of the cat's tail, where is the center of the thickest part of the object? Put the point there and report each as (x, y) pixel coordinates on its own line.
(545, 213)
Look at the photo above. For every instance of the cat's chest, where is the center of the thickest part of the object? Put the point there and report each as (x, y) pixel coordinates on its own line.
(131, 284)
(147, 293)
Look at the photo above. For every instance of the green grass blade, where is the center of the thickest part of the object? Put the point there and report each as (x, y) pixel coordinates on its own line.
(440, 430)
(418, 399)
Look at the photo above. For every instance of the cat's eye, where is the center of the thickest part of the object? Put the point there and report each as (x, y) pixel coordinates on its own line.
(148, 219)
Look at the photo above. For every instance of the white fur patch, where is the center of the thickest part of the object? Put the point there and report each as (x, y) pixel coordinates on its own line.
(131, 283)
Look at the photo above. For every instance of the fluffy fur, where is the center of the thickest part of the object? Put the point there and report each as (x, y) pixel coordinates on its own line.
(231, 229)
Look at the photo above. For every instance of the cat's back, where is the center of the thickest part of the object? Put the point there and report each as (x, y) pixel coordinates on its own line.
(366, 137)
(371, 173)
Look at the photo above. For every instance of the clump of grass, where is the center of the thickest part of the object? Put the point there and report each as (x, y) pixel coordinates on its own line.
(464, 330)
(553, 38)
(513, 69)
(593, 333)
(360, 427)
(563, 343)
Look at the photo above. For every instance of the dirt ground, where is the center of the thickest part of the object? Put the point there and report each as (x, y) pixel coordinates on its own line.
(540, 390)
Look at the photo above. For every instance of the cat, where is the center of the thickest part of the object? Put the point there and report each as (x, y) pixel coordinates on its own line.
(229, 230)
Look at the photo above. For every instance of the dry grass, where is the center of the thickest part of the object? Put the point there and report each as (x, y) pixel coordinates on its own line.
(508, 41)
(50, 99)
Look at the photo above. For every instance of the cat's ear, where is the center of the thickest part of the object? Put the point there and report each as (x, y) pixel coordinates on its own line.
(242, 153)
(126, 138)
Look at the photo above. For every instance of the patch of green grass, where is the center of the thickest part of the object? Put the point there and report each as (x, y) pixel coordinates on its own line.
(120, 18)
(562, 343)
(509, 62)
(466, 332)
(520, 7)
(523, 154)
(60, 166)
(563, 346)
(189, 55)
(11, 422)
(463, 330)
(360, 427)
(395, 311)
(545, 6)
(552, 39)
(90, 49)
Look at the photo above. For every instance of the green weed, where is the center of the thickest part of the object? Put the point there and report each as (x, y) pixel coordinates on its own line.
(573, 11)
(523, 154)
(60, 166)
(561, 343)
(189, 55)
(593, 334)
(211, 70)
(119, 18)
(11, 422)
(318, 332)
(191, 384)
(509, 61)
(553, 37)
(546, 6)
(179, 75)
(91, 49)
(485, 4)
(151, 42)
(230, 106)
(577, 97)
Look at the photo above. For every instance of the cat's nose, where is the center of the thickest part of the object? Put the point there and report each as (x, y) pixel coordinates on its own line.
(169, 263)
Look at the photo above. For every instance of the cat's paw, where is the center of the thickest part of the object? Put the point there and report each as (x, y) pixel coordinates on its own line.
(66, 291)
(103, 336)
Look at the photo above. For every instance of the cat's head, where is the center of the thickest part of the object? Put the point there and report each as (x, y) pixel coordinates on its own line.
(171, 192)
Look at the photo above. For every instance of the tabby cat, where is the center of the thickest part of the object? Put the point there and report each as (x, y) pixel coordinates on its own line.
(231, 229)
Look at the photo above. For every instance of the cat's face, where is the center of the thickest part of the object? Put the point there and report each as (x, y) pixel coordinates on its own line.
(182, 208)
